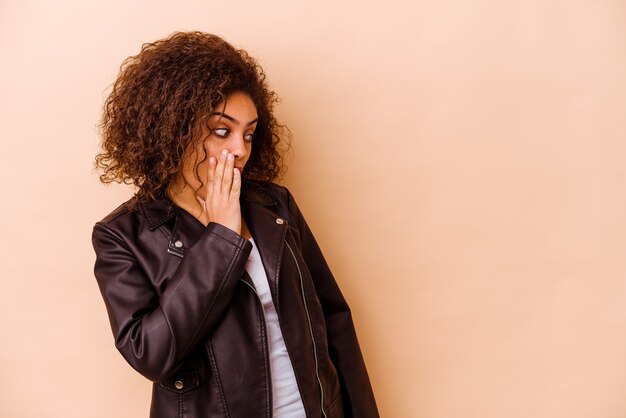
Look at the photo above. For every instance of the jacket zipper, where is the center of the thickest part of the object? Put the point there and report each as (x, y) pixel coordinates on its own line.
(269, 371)
(308, 317)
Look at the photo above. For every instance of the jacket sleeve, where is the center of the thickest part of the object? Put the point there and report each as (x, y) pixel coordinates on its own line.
(155, 333)
(344, 350)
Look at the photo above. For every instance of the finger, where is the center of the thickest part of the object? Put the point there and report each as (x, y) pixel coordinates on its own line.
(211, 174)
(227, 179)
(210, 169)
(212, 162)
(219, 171)
(236, 188)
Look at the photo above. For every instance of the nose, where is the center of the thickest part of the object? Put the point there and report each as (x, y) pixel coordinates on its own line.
(237, 147)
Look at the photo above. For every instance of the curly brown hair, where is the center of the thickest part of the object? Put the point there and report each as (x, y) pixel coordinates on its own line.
(163, 98)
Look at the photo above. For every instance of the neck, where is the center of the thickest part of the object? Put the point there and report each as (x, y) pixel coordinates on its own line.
(183, 195)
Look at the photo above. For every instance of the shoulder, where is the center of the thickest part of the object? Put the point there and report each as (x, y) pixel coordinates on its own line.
(121, 210)
(269, 193)
(258, 189)
(122, 219)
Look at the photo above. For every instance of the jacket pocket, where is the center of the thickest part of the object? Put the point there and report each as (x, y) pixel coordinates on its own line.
(181, 382)
(176, 396)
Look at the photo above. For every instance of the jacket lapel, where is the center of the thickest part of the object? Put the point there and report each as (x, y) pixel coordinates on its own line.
(268, 230)
(181, 228)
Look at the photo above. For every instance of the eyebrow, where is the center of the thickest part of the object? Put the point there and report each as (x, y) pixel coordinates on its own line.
(230, 118)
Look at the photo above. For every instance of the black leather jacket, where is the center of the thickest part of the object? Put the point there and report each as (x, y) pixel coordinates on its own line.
(185, 313)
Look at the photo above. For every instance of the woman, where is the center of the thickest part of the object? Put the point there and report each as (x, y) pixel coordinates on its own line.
(215, 287)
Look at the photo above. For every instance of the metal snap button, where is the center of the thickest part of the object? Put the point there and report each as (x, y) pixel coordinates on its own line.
(178, 384)
(178, 244)
(279, 221)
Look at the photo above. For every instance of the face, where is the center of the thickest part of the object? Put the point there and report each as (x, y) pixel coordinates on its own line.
(230, 127)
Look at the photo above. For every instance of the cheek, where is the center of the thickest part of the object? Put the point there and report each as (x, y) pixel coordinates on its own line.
(203, 169)
(198, 164)
(213, 149)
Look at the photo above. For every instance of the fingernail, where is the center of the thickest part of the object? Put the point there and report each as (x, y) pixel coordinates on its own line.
(230, 156)
(224, 152)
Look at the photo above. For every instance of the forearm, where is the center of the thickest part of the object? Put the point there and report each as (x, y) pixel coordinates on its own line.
(154, 332)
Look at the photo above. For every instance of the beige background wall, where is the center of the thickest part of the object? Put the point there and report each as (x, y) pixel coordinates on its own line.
(461, 162)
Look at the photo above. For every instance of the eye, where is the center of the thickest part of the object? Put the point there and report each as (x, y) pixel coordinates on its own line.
(221, 132)
(249, 137)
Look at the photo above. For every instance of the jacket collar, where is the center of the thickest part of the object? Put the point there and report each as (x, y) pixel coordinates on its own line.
(161, 210)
